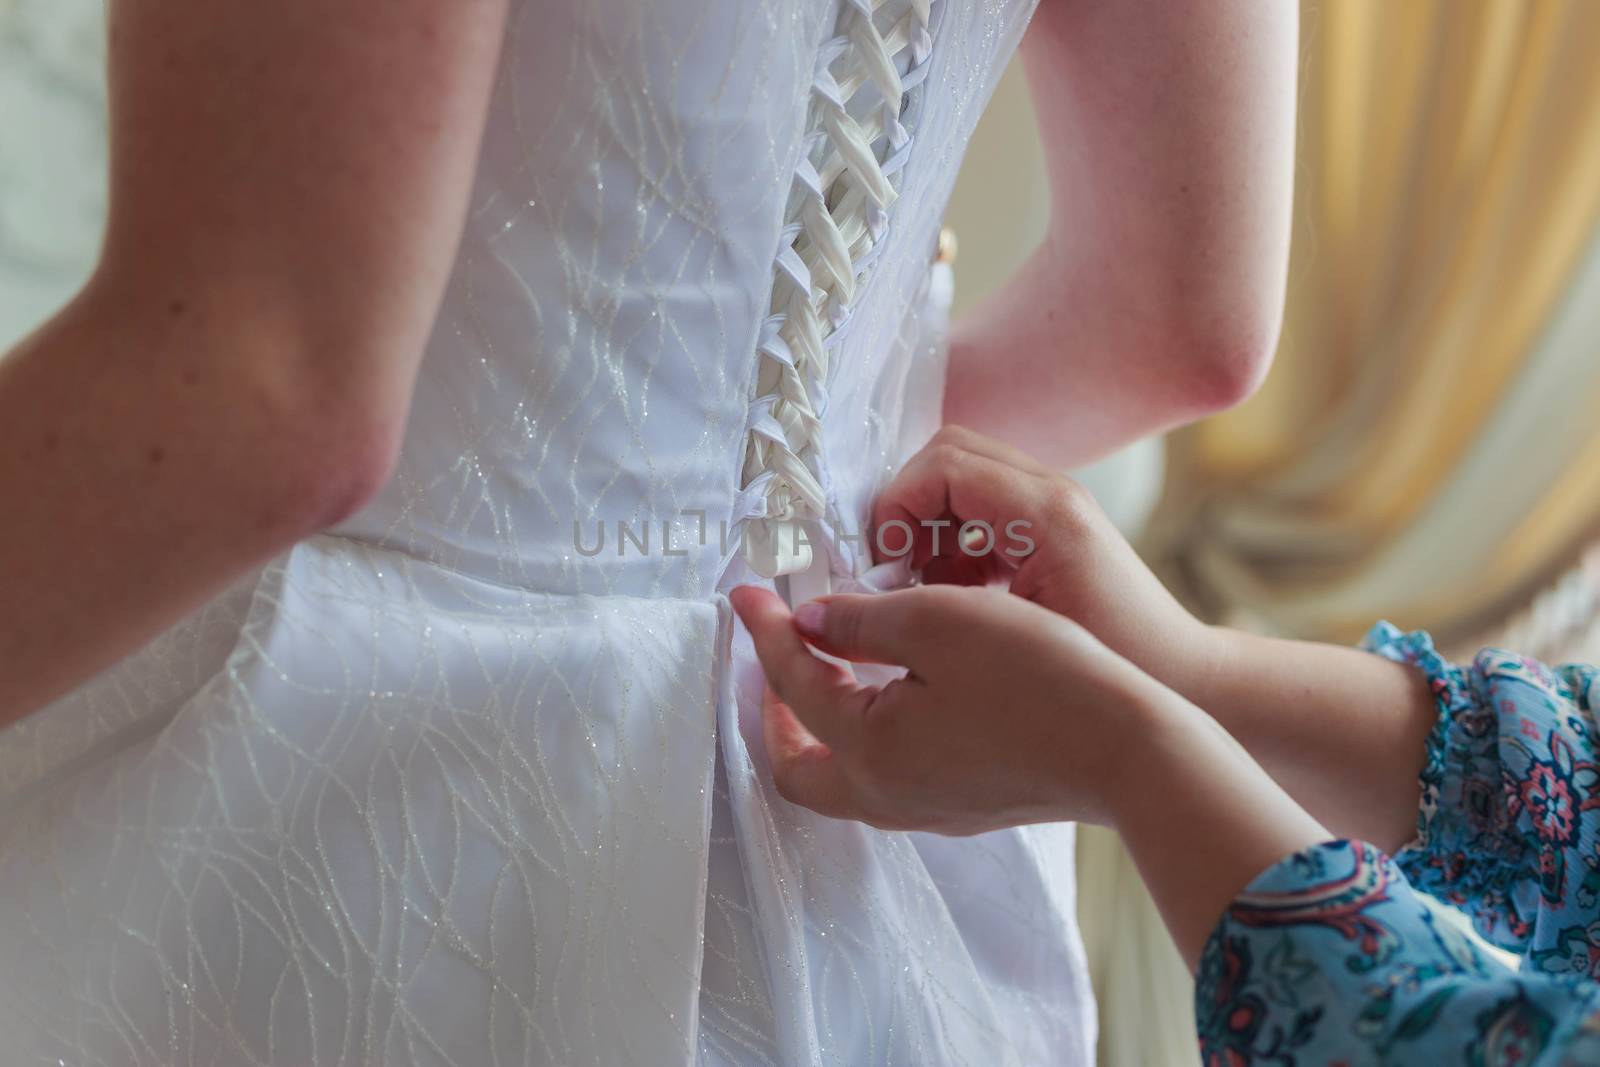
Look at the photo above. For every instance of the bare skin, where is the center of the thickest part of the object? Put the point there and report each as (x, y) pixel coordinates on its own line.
(288, 186)
(1091, 679)
(1157, 294)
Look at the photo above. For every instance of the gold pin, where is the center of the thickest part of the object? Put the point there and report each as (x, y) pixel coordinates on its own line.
(948, 246)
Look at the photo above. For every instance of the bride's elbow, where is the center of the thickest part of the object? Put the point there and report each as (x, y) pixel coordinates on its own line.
(312, 431)
(337, 485)
(290, 455)
(326, 417)
(322, 468)
(1221, 367)
(270, 415)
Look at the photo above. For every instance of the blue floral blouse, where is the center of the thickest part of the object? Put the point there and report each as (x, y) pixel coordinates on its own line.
(1331, 958)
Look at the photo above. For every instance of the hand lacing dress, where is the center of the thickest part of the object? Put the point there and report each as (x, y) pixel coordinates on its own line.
(476, 778)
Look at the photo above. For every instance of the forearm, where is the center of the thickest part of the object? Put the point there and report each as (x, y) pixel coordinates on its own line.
(1486, 771)
(1201, 819)
(1342, 730)
(141, 475)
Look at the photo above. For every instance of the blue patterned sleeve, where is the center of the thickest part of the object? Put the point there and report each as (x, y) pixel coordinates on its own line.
(1331, 958)
(1509, 825)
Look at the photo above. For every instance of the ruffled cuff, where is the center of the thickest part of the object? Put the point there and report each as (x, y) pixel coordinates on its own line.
(1453, 698)
(1467, 851)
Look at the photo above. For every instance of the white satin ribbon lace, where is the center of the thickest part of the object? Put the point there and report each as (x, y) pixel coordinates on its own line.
(845, 182)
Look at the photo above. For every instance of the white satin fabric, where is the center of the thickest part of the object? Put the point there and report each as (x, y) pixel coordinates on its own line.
(447, 786)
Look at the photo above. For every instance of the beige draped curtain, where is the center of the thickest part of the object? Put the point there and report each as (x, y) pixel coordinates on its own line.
(1426, 446)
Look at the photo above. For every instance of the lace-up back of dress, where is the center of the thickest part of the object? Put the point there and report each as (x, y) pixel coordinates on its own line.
(858, 139)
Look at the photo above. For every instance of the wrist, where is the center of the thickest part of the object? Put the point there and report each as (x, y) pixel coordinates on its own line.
(1206, 657)
(1146, 732)
(1212, 823)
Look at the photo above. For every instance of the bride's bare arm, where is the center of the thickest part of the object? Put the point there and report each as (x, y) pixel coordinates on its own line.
(1157, 294)
(288, 186)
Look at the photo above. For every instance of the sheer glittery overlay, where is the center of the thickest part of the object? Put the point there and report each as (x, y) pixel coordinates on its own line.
(476, 778)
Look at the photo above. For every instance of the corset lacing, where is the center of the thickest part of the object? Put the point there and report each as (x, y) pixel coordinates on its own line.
(839, 216)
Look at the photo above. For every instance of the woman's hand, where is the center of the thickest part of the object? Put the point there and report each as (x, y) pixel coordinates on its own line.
(1077, 564)
(1342, 730)
(1010, 714)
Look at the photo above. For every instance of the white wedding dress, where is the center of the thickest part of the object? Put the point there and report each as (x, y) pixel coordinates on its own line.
(449, 785)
